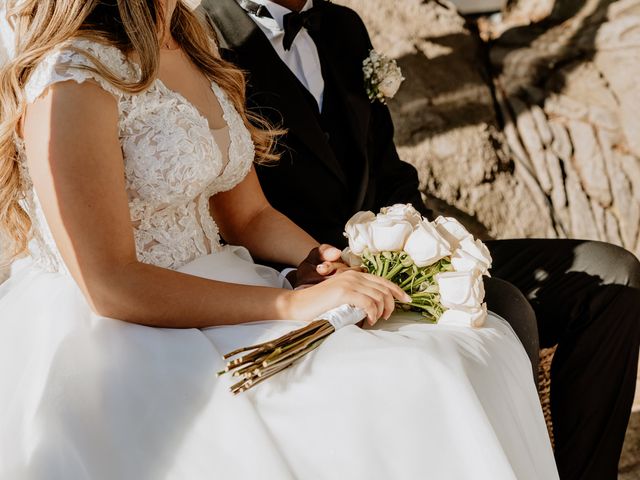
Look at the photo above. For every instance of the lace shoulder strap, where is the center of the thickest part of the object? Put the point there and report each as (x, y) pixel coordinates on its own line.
(67, 61)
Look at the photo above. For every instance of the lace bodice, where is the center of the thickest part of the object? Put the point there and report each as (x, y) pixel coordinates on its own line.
(173, 164)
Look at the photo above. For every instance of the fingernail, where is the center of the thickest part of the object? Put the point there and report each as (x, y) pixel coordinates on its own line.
(407, 298)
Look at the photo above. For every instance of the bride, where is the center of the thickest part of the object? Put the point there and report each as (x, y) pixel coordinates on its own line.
(126, 156)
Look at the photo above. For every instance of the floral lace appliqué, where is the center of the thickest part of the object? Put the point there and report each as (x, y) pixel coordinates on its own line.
(172, 163)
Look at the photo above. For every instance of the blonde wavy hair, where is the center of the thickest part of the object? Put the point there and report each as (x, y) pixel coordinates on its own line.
(133, 27)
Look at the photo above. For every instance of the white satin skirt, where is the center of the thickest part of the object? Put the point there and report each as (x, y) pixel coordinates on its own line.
(86, 397)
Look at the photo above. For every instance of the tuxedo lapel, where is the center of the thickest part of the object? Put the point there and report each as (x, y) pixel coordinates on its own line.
(356, 105)
(272, 83)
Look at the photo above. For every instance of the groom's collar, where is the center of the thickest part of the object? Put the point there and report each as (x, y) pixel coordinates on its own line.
(271, 77)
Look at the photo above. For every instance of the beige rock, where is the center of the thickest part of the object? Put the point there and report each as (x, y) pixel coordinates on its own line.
(630, 462)
(583, 223)
(561, 145)
(531, 141)
(511, 134)
(530, 12)
(589, 162)
(583, 86)
(604, 118)
(600, 219)
(621, 68)
(619, 33)
(623, 8)
(625, 207)
(558, 194)
(631, 166)
(627, 210)
(542, 126)
(613, 229)
(395, 26)
(563, 106)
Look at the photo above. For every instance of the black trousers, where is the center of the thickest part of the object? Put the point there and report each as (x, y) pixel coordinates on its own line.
(586, 298)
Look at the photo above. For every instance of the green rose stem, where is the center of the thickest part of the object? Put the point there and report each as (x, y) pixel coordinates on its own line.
(385, 268)
(394, 271)
(418, 282)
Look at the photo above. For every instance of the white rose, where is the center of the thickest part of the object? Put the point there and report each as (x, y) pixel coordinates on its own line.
(390, 84)
(460, 289)
(451, 229)
(389, 234)
(461, 261)
(477, 250)
(468, 317)
(358, 232)
(402, 211)
(425, 246)
(351, 258)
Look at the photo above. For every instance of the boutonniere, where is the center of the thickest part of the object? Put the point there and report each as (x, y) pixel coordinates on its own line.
(382, 77)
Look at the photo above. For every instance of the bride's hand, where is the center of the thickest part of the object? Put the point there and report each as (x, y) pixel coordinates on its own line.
(373, 294)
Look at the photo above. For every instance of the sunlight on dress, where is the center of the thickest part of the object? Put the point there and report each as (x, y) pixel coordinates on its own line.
(85, 396)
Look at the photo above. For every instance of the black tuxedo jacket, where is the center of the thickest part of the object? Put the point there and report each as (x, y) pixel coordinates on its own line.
(309, 184)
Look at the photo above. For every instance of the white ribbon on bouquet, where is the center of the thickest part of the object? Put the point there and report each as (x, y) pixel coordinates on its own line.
(343, 316)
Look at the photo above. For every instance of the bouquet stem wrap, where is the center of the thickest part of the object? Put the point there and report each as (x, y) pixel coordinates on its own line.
(256, 363)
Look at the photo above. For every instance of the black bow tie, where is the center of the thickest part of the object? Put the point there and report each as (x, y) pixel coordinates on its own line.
(293, 22)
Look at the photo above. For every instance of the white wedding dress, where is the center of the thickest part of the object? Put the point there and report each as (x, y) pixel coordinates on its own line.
(85, 397)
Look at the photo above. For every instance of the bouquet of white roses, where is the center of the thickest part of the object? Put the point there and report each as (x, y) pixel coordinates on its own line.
(439, 264)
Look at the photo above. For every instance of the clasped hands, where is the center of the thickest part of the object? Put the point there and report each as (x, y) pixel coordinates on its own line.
(322, 262)
(328, 280)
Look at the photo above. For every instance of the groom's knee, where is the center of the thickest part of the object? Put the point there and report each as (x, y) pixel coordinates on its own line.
(613, 265)
(508, 301)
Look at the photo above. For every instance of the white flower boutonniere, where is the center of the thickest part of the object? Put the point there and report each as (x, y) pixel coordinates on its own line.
(382, 76)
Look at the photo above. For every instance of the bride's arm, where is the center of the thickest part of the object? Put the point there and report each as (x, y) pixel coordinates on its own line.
(246, 218)
(76, 165)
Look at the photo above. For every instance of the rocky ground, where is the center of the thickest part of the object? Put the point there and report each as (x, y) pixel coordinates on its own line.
(630, 463)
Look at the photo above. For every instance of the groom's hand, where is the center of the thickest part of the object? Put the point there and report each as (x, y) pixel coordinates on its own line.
(321, 262)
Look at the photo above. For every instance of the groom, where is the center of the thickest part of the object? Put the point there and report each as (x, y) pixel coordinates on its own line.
(338, 157)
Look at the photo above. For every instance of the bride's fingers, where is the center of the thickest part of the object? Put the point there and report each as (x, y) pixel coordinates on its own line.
(389, 306)
(368, 304)
(384, 297)
(382, 294)
(395, 290)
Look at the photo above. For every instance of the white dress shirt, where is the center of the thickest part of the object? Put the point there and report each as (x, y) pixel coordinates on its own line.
(302, 59)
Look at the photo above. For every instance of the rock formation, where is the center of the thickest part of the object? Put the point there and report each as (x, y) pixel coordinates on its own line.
(525, 123)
